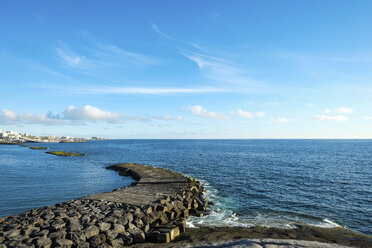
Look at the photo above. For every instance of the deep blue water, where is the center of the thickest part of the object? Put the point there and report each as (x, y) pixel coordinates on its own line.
(269, 182)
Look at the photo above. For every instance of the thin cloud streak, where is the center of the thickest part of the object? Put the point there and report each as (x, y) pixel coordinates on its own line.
(161, 33)
(100, 58)
(338, 118)
(341, 110)
(109, 52)
(26, 63)
(280, 120)
(144, 90)
(306, 58)
(216, 67)
(167, 118)
(67, 56)
(200, 111)
(221, 70)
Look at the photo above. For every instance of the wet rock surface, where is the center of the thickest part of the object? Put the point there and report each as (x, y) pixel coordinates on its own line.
(152, 213)
(154, 209)
(258, 236)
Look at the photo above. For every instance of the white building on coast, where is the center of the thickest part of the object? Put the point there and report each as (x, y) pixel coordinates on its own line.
(9, 135)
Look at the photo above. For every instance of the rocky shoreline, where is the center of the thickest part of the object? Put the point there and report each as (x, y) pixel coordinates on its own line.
(10, 142)
(154, 209)
(151, 213)
(262, 237)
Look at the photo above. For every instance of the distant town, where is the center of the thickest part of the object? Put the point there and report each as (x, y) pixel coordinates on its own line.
(13, 137)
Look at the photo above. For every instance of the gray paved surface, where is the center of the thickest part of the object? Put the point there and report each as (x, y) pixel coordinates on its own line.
(153, 184)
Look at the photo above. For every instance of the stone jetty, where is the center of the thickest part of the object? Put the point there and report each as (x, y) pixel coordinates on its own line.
(153, 209)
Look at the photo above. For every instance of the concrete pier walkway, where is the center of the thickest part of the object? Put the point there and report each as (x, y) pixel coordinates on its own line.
(154, 209)
(152, 185)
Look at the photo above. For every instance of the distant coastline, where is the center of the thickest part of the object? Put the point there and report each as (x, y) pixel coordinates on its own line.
(16, 138)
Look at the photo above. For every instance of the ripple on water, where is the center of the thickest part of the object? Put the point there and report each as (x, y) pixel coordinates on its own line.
(251, 181)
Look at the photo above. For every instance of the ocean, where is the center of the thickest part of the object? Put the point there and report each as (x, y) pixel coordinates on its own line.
(279, 183)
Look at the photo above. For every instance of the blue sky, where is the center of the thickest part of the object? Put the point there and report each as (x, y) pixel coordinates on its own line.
(187, 69)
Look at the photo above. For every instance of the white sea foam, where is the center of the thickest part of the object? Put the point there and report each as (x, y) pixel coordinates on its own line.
(326, 223)
(221, 215)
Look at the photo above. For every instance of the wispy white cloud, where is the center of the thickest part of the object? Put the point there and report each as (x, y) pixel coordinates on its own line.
(139, 118)
(147, 118)
(9, 117)
(327, 111)
(244, 114)
(272, 104)
(90, 113)
(334, 114)
(310, 105)
(342, 110)
(161, 33)
(101, 89)
(79, 116)
(280, 120)
(114, 54)
(368, 118)
(299, 57)
(167, 118)
(217, 65)
(247, 114)
(100, 58)
(23, 63)
(339, 118)
(333, 69)
(197, 46)
(144, 90)
(244, 122)
(199, 111)
(71, 116)
(218, 69)
(108, 61)
(67, 56)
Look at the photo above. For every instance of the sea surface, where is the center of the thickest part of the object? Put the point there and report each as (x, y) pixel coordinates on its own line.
(252, 182)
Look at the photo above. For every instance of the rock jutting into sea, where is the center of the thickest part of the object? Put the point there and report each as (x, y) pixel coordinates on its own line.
(153, 209)
(151, 213)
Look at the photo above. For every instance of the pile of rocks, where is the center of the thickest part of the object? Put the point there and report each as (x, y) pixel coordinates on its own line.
(99, 223)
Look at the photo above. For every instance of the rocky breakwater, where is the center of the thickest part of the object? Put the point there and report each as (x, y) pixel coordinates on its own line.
(154, 209)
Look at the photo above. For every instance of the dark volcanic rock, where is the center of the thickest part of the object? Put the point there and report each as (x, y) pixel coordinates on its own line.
(119, 228)
(57, 235)
(125, 216)
(63, 243)
(116, 243)
(43, 243)
(76, 237)
(97, 240)
(104, 226)
(111, 234)
(91, 231)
